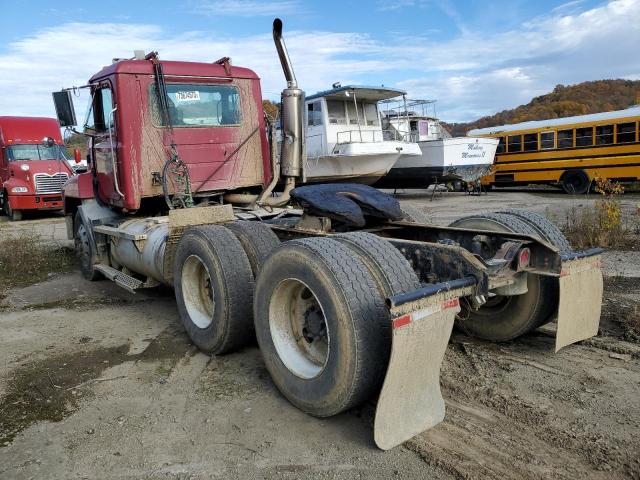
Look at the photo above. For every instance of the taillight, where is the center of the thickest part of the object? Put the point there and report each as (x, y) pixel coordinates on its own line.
(523, 258)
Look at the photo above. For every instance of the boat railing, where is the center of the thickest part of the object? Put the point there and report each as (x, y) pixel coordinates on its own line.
(371, 136)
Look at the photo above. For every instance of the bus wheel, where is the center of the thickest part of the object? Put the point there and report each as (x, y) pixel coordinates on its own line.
(575, 182)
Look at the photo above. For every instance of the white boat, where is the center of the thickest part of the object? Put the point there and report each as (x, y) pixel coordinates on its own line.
(344, 137)
(443, 159)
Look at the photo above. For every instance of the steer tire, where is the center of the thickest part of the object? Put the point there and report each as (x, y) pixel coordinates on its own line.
(391, 270)
(214, 289)
(257, 239)
(504, 318)
(12, 215)
(85, 252)
(545, 229)
(321, 279)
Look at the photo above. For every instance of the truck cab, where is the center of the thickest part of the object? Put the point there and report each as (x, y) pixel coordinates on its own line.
(212, 121)
(33, 167)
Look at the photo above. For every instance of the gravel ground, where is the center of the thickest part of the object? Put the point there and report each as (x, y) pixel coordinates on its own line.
(96, 382)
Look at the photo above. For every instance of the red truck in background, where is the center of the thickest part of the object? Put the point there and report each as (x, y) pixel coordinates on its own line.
(33, 167)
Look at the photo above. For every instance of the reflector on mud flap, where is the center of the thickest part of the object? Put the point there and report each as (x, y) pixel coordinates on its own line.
(410, 401)
(580, 304)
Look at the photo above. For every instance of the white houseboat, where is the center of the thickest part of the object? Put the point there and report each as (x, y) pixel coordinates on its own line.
(344, 137)
(443, 159)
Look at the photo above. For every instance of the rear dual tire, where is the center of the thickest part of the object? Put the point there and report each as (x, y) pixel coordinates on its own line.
(504, 318)
(330, 291)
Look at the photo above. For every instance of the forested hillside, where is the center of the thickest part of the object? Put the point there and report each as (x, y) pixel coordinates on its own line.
(564, 101)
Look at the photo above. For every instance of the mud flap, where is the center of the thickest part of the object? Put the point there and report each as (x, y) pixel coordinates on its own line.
(581, 288)
(410, 401)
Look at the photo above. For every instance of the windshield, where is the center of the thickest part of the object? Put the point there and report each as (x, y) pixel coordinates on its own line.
(34, 152)
(198, 105)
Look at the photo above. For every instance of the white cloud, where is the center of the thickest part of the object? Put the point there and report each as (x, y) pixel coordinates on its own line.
(474, 74)
(248, 8)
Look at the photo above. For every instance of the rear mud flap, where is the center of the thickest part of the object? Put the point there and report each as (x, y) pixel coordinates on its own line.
(581, 288)
(410, 401)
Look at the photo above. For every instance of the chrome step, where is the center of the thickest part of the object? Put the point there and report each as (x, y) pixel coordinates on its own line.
(121, 279)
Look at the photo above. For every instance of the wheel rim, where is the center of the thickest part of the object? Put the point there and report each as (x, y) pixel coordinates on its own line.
(299, 330)
(197, 291)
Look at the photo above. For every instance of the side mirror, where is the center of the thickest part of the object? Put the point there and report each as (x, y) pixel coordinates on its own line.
(77, 155)
(64, 108)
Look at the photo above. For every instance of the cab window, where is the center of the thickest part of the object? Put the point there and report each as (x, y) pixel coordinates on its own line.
(191, 105)
(100, 117)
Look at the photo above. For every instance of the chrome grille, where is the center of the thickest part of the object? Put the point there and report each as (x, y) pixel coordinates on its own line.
(50, 183)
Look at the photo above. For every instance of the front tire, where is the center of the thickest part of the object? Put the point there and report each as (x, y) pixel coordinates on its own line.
(84, 251)
(319, 321)
(214, 288)
(13, 215)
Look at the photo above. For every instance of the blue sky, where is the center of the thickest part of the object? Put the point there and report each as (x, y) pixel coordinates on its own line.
(476, 58)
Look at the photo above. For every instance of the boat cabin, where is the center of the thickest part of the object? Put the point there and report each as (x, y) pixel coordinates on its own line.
(413, 120)
(344, 115)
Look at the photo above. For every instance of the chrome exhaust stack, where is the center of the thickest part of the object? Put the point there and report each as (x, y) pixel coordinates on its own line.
(292, 153)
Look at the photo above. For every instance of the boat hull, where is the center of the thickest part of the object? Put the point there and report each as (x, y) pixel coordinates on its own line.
(443, 160)
(358, 162)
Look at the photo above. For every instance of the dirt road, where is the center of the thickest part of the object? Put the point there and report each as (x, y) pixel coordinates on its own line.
(96, 382)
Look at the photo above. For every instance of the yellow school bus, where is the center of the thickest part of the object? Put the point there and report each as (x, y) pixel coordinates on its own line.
(570, 151)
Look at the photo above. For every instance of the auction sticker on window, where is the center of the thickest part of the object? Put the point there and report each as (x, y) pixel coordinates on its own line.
(190, 96)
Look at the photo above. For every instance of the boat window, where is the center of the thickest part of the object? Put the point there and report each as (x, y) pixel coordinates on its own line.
(336, 112)
(604, 135)
(584, 137)
(314, 113)
(351, 113)
(530, 142)
(371, 113)
(547, 140)
(515, 143)
(565, 138)
(192, 105)
(626, 132)
(500, 148)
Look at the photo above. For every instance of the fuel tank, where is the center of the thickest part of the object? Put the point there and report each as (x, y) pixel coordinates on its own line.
(141, 248)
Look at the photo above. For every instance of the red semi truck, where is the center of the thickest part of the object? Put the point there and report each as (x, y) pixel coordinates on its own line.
(33, 167)
(348, 296)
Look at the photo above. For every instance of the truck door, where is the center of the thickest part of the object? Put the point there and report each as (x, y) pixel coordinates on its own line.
(101, 124)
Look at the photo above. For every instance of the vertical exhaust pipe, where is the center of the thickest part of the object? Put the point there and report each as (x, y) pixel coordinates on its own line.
(292, 153)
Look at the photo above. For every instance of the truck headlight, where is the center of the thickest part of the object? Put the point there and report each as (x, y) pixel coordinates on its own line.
(19, 189)
(24, 167)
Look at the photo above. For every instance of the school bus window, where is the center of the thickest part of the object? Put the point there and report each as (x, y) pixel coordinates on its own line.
(565, 138)
(604, 135)
(515, 143)
(547, 140)
(530, 142)
(626, 132)
(584, 137)
(500, 148)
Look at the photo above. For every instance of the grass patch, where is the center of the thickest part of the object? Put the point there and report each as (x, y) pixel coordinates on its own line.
(25, 260)
(602, 224)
